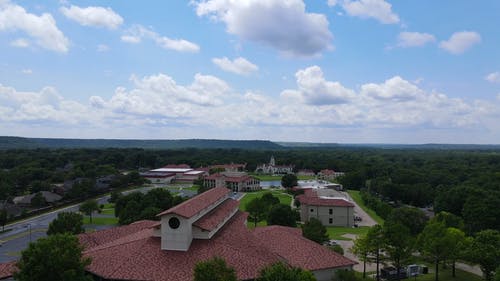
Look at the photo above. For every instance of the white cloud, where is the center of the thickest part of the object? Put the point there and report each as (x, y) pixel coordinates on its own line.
(414, 39)
(136, 33)
(239, 65)
(331, 3)
(315, 90)
(376, 9)
(283, 25)
(27, 71)
(460, 42)
(20, 43)
(493, 77)
(158, 106)
(102, 48)
(42, 29)
(93, 16)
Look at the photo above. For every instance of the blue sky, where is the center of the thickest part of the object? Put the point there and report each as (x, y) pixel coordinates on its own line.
(355, 71)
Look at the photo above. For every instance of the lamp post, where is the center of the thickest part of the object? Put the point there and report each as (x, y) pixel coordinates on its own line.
(29, 227)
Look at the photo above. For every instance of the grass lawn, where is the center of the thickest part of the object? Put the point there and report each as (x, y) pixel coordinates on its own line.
(284, 198)
(108, 209)
(192, 188)
(357, 198)
(100, 221)
(445, 275)
(336, 232)
(266, 177)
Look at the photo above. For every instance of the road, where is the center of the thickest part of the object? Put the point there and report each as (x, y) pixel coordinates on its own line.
(30, 229)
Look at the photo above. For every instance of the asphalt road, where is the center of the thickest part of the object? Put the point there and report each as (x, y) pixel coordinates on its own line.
(23, 232)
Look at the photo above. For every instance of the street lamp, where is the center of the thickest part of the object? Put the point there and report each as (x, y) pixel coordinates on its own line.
(29, 226)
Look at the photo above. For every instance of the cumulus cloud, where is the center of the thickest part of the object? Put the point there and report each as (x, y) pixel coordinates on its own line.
(376, 9)
(239, 65)
(460, 42)
(136, 33)
(414, 39)
(208, 107)
(493, 77)
(42, 29)
(20, 43)
(93, 16)
(331, 3)
(315, 90)
(102, 48)
(283, 25)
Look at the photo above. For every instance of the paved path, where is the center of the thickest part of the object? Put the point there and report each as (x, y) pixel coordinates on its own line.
(366, 220)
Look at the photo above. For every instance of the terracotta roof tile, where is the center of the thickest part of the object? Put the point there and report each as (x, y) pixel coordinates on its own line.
(299, 251)
(133, 256)
(194, 205)
(7, 269)
(310, 197)
(211, 220)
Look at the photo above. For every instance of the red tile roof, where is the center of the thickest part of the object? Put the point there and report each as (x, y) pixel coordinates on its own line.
(310, 197)
(138, 256)
(196, 204)
(7, 269)
(299, 251)
(211, 220)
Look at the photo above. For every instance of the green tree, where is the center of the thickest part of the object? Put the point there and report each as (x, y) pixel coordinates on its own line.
(256, 209)
(375, 238)
(66, 222)
(38, 200)
(346, 275)
(88, 207)
(435, 243)
(3, 218)
(150, 213)
(458, 247)
(289, 181)
(281, 215)
(485, 251)
(361, 249)
(282, 272)
(449, 220)
(214, 269)
(314, 230)
(414, 219)
(398, 245)
(54, 258)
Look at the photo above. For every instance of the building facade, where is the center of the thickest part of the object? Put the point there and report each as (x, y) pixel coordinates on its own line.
(235, 181)
(331, 211)
(272, 169)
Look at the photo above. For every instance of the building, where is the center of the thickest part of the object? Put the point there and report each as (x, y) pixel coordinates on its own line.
(206, 226)
(329, 175)
(273, 169)
(174, 173)
(25, 200)
(331, 211)
(306, 172)
(236, 181)
(229, 167)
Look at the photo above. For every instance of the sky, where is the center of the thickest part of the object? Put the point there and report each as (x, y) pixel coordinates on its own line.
(337, 71)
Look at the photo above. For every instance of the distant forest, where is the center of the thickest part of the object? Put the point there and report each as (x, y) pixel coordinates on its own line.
(463, 182)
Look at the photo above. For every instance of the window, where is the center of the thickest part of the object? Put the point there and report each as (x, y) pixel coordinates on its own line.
(330, 220)
(330, 211)
(174, 223)
(312, 210)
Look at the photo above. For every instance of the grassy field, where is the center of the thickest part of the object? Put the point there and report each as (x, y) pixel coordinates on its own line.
(266, 177)
(444, 275)
(108, 209)
(100, 221)
(284, 198)
(357, 198)
(336, 232)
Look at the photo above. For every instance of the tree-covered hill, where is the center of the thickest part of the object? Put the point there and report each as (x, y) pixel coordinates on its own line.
(19, 142)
